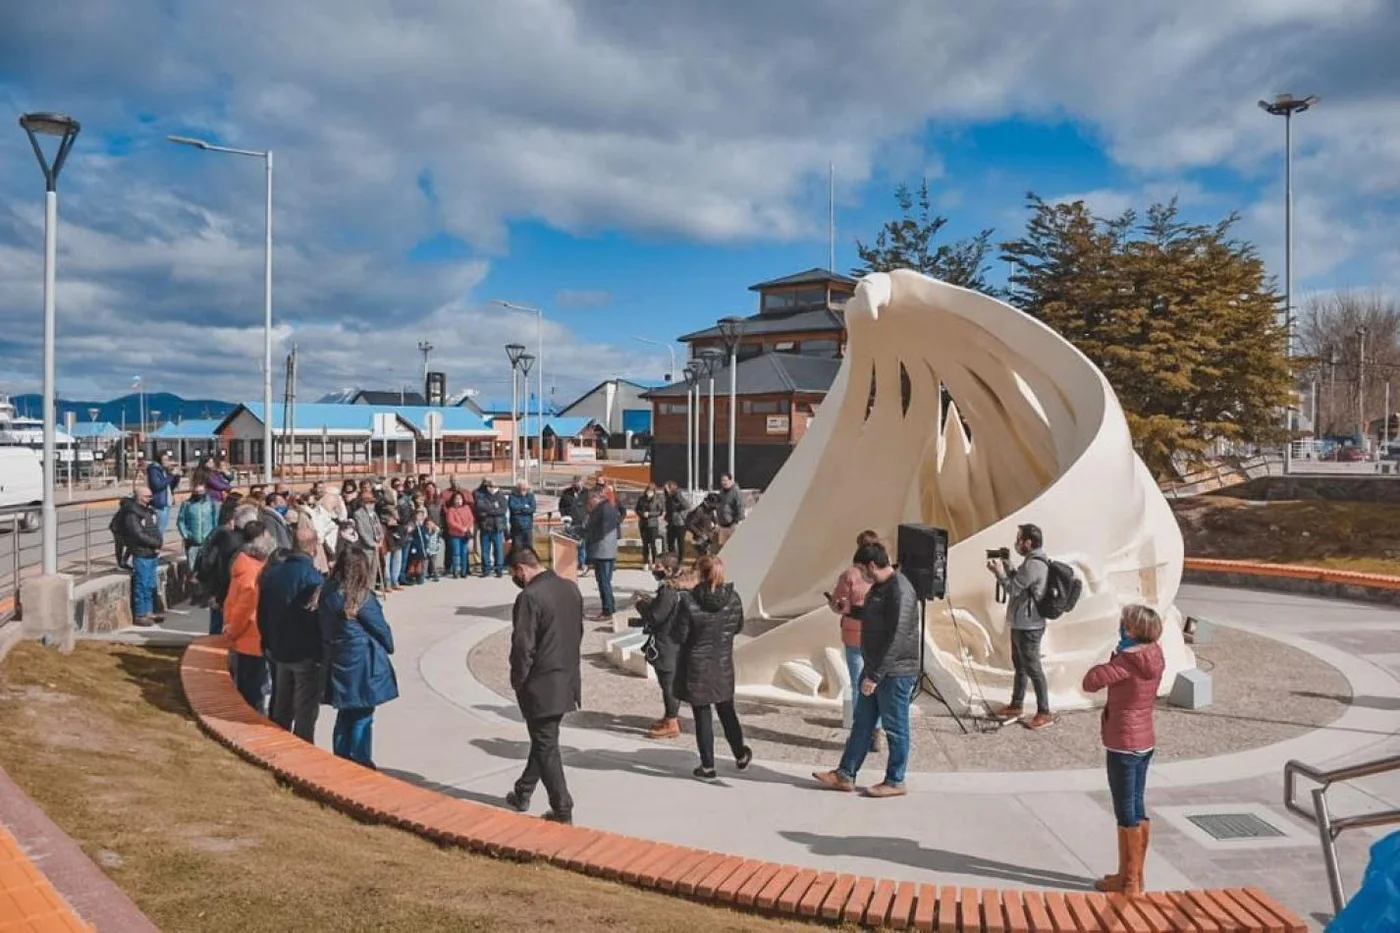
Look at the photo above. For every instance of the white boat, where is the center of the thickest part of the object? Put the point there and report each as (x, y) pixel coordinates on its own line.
(18, 430)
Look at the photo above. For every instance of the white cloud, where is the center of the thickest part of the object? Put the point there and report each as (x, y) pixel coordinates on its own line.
(704, 122)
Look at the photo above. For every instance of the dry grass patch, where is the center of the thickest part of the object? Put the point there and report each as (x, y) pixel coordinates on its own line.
(1359, 536)
(203, 841)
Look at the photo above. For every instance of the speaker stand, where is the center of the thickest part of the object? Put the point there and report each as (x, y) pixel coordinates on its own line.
(923, 675)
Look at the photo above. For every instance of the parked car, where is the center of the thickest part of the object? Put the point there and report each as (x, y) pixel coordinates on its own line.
(22, 484)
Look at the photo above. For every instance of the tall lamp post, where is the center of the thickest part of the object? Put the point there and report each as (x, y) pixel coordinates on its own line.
(266, 156)
(424, 347)
(539, 373)
(732, 329)
(710, 358)
(671, 375)
(526, 361)
(692, 378)
(514, 351)
(1286, 105)
(66, 130)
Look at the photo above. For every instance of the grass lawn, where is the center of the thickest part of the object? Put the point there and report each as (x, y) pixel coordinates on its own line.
(1361, 536)
(202, 841)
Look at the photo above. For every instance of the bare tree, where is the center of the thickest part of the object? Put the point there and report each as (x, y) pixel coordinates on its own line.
(1347, 384)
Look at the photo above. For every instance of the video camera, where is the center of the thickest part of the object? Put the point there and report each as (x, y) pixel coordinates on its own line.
(1002, 554)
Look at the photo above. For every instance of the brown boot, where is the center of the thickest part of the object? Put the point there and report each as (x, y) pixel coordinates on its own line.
(1144, 842)
(1113, 883)
(1132, 869)
(665, 729)
(1008, 713)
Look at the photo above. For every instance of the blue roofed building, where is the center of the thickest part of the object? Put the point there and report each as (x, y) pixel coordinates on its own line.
(338, 438)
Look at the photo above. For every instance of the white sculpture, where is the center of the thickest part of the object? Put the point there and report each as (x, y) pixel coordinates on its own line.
(1046, 442)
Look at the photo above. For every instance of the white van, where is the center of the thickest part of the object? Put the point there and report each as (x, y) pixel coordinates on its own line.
(22, 484)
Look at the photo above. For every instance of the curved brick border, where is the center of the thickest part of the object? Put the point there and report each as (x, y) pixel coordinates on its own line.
(1295, 578)
(714, 877)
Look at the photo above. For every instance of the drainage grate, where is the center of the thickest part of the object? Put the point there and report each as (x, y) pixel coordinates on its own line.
(1227, 826)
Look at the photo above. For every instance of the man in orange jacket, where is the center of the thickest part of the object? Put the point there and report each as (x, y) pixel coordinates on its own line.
(241, 613)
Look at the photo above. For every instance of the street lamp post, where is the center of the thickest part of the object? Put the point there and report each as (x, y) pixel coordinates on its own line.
(709, 358)
(266, 156)
(671, 375)
(732, 329)
(66, 129)
(539, 373)
(424, 347)
(526, 361)
(514, 351)
(1285, 105)
(692, 377)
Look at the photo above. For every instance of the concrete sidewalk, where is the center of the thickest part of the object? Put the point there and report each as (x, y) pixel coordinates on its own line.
(1015, 829)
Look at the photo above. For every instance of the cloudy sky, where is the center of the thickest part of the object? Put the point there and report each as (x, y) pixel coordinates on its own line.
(629, 165)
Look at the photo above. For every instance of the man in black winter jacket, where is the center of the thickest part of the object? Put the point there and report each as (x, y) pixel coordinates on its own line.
(140, 535)
(889, 644)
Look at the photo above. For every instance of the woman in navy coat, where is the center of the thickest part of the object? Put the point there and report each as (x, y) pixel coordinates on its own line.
(358, 642)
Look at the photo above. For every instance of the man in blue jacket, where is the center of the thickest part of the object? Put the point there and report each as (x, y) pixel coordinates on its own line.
(162, 477)
(291, 634)
(522, 516)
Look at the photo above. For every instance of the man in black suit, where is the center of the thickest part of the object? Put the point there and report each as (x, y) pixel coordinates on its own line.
(547, 629)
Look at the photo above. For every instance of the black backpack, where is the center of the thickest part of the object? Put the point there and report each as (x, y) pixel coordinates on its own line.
(1062, 590)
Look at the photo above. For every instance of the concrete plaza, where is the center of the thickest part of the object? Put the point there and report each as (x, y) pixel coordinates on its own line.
(1024, 828)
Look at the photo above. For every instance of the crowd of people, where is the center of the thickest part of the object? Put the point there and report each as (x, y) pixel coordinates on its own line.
(296, 583)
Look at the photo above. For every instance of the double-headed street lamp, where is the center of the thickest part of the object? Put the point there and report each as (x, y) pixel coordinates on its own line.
(66, 130)
(526, 361)
(1286, 105)
(692, 414)
(709, 362)
(514, 351)
(732, 329)
(539, 373)
(266, 156)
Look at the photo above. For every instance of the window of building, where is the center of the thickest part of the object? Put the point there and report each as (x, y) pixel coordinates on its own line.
(787, 301)
(748, 351)
(785, 346)
(672, 408)
(235, 452)
(823, 348)
(764, 407)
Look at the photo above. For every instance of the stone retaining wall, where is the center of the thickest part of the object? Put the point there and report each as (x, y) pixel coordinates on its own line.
(103, 604)
(1336, 488)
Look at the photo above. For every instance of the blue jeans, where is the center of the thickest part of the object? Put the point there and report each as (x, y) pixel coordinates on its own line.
(582, 555)
(855, 663)
(603, 569)
(493, 552)
(143, 585)
(1127, 782)
(163, 520)
(353, 736)
(398, 564)
(216, 620)
(457, 549)
(889, 704)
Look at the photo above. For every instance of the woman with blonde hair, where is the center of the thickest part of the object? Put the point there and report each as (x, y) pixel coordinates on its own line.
(357, 643)
(710, 615)
(1131, 676)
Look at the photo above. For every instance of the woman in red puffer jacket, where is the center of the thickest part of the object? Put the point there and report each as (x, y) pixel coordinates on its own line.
(1131, 676)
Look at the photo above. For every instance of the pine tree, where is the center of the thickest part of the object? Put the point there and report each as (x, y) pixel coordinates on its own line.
(908, 243)
(1180, 317)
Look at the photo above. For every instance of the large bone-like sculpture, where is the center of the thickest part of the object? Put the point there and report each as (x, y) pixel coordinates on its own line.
(1045, 442)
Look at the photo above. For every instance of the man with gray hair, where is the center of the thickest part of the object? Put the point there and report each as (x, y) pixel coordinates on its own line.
(291, 634)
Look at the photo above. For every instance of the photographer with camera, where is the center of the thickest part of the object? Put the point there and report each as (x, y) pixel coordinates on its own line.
(1023, 589)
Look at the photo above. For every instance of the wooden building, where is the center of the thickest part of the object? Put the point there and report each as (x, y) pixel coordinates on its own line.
(788, 356)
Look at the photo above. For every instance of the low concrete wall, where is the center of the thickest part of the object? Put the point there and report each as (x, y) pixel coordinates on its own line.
(1288, 578)
(103, 604)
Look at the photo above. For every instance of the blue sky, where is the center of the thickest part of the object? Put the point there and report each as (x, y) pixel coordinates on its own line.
(630, 169)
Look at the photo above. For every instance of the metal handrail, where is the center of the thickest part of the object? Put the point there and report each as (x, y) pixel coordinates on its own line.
(1328, 827)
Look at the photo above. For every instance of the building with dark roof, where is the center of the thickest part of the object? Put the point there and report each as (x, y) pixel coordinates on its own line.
(788, 356)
